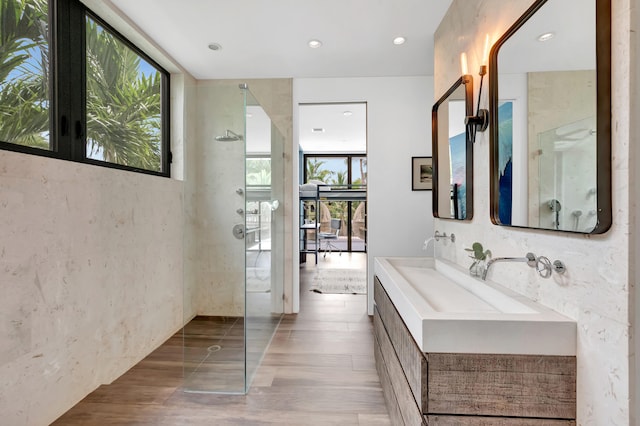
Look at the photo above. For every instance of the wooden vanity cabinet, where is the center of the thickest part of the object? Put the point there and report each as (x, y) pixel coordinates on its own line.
(468, 389)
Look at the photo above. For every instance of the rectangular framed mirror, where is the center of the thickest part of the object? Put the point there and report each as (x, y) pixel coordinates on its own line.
(453, 152)
(550, 115)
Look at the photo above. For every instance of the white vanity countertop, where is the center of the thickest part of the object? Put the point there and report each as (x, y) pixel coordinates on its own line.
(448, 311)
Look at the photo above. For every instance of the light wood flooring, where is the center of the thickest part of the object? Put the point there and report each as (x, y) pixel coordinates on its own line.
(318, 370)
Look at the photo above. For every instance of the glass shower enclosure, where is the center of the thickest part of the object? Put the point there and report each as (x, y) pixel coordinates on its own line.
(566, 183)
(234, 237)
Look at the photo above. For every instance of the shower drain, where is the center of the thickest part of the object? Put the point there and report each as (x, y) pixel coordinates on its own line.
(214, 348)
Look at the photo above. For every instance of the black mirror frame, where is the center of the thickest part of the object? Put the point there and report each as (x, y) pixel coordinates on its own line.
(603, 116)
(467, 81)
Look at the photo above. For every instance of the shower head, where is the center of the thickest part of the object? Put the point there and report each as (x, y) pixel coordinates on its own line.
(229, 136)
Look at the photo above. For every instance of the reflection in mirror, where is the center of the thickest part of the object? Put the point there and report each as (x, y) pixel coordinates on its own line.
(453, 152)
(550, 103)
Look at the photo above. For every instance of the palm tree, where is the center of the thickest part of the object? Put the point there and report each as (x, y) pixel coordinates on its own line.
(24, 117)
(363, 167)
(340, 178)
(24, 73)
(123, 105)
(316, 172)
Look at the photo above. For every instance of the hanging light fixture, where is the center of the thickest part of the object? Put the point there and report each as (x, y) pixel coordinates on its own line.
(480, 121)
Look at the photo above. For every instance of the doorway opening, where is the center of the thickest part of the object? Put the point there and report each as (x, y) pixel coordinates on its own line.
(333, 198)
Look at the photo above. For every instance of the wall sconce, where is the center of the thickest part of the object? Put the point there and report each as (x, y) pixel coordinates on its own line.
(480, 121)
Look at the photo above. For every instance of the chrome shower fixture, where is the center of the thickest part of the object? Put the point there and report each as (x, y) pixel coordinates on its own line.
(555, 207)
(576, 218)
(229, 136)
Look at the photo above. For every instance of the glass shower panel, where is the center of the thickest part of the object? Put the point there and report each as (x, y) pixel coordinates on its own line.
(213, 335)
(566, 182)
(264, 243)
(233, 284)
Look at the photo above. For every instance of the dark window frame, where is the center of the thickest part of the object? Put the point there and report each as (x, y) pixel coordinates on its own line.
(68, 82)
(349, 157)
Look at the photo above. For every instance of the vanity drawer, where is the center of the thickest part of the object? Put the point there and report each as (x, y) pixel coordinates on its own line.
(537, 386)
(412, 359)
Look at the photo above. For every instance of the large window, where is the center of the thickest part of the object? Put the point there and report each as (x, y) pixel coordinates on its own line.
(342, 172)
(336, 169)
(91, 96)
(24, 73)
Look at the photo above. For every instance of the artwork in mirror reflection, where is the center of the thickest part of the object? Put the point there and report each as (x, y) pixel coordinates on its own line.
(546, 122)
(453, 153)
(505, 160)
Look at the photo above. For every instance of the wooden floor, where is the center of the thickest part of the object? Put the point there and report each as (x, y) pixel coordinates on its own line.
(318, 370)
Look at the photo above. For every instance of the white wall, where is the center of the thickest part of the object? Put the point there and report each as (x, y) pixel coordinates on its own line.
(398, 127)
(595, 291)
(634, 246)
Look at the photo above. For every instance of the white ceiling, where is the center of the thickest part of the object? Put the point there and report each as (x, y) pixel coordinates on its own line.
(268, 39)
(572, 48)
(341, 133)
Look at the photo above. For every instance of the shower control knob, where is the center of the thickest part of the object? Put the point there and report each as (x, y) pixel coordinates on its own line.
(240, 211)
(559, 267)
(239, 191)
(238, 231)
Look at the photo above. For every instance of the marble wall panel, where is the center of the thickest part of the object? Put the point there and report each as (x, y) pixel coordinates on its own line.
(90, 277)
(595, 291)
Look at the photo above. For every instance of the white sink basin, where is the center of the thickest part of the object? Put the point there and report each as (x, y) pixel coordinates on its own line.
(446, 310)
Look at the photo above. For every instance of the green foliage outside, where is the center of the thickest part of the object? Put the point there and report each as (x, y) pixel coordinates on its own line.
(24, 71)
(123, 104)
(258, 171)
(316, 170)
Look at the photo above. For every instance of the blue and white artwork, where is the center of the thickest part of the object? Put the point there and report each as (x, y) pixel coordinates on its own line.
(505, 161)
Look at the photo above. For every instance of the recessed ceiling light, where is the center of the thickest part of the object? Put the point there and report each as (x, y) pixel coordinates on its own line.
(214, 46)
(399, 40)
(314, 44)
(317, 130)
(546, 36)
(347, 113)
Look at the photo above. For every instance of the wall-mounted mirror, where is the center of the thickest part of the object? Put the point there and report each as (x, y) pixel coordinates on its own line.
(453, 152)
(550, 115)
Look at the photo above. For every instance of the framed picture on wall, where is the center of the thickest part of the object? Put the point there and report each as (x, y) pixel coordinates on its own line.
(421, 173)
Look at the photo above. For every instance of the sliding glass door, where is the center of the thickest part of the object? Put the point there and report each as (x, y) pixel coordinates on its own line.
(341, 171)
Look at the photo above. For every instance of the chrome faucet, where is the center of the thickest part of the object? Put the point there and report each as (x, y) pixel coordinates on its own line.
(529, 258)
(436, 237)
(444, 235)
(425, 245)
